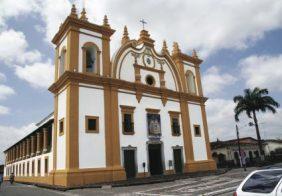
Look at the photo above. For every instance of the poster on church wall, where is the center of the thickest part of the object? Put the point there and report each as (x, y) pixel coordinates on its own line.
(154, 124)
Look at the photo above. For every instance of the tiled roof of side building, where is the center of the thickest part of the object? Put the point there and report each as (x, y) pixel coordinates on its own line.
(39, 125)
(245, 140)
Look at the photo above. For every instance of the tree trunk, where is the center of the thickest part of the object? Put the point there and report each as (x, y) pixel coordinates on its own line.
(258, 134)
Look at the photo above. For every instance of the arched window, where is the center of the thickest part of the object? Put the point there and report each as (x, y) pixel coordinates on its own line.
(190, 78)
(62, 61)
(91, 58)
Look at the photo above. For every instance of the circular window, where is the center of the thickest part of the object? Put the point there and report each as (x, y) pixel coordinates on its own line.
(150, 80)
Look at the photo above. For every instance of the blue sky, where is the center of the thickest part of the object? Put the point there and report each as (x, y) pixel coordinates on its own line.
(240, 42)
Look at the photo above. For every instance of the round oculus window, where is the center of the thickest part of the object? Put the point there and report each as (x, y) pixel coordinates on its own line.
(150, 80)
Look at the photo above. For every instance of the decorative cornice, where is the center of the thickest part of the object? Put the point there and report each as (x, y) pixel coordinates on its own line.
(78, 23)
(184, 57)
(145, 39)
(83, 15)
(106, 22)
(164, 48)
(125, 37)
(70, 77)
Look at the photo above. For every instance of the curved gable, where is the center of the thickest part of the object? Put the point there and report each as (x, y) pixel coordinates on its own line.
(135, 63)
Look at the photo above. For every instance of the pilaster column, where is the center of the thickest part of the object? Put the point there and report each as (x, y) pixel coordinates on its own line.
(13, 154)
(205, 124)
(20, 151)
(72, 143)
(198, 80)
(32, 145)
(27, 148)
(17, 152)
(187, 135)
(8, 157)
(106, 56)
(24, 149)
(45, 139)
(38, 143)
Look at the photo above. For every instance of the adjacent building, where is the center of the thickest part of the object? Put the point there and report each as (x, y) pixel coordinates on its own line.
(115, 117)
(227, 152)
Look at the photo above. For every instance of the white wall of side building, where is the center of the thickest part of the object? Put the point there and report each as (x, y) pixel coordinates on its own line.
(30, 160)
(199, 144)
(91, 145)
(140, 136)
(61, 139)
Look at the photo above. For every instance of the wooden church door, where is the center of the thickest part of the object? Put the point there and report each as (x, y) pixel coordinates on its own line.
(129, 163)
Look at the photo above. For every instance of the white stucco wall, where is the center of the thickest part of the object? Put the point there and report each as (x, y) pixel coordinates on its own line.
(271, 146)
(61, 139)
(91, 145)
(35, 159)
(140, 136)
(96, 38)
(199, 145)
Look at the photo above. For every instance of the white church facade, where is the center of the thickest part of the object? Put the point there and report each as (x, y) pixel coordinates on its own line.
(136, 113)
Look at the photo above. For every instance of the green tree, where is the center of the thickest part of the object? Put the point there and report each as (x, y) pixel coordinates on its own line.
(253, 101)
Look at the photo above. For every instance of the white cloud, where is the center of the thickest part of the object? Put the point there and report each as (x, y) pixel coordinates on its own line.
(215, 81)
(53, 16)
(5, 91)
(38, 75)
(263, 71)
(10, 134)
(2, 77)
(14, 48)
(221, 122)
(4, 110)
(194, 24)
(10, 9)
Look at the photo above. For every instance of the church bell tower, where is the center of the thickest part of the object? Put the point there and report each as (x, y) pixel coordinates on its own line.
(82, 50)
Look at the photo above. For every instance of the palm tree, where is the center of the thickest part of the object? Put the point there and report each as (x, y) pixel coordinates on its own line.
(254, 100)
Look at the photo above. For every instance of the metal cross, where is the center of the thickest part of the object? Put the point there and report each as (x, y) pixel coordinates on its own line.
(143, 23)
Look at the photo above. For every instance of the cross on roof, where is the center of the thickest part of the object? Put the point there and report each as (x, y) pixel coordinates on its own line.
(143, 23)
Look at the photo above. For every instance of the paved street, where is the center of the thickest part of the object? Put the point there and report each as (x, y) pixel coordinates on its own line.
(223, 184)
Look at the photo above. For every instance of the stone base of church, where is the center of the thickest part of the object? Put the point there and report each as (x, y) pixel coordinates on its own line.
(76, 178)
(82, 177)
(196, 166)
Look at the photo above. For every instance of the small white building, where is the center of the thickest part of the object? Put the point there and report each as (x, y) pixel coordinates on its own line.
(116, 117)
(227, 152)
(271, 145)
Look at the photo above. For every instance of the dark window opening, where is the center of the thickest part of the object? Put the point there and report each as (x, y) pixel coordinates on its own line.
(27, 168)
(46, 166)
(38, 167)
(128, 125)
(61, 126)
(32, 167)
(175, 126)
(150, 80)
(90, 59)
(92, 125)
(197, 130)
(49, 135)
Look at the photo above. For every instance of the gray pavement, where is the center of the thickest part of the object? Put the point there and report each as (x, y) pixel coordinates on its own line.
(224, 184)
